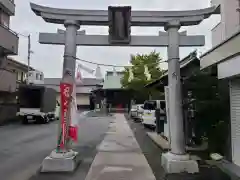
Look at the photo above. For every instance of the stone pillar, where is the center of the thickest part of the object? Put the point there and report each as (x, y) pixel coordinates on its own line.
(70, 50)
(65, 161)
(174, 84)
(177, 160)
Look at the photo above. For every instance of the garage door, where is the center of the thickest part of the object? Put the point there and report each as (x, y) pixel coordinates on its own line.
(235, 119)
(83, 99)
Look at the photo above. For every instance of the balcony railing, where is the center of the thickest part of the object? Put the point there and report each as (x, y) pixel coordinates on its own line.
(9, 41)
(7, 81)
(8, 6)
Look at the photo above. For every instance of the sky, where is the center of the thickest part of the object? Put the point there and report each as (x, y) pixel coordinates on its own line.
(49, 58)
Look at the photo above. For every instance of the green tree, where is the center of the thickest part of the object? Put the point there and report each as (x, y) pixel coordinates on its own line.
(152, 61)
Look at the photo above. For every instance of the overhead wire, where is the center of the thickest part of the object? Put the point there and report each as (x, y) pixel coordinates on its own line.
(22, 34)
(109, 65)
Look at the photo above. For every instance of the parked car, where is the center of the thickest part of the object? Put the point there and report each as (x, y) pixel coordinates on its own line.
(133, 111)
(149, 108)
(140, 111)
(57, 111)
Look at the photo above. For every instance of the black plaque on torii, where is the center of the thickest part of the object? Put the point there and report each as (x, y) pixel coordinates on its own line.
(119, 24)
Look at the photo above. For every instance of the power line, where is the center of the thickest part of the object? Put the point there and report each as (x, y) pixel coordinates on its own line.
(22, 35)
(108, 65)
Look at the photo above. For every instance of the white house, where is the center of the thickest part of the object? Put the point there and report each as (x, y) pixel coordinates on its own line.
(225, 55)
(35, 77)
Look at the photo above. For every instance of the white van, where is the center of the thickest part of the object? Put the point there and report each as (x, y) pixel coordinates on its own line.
(57, 111)
(133, 111)
(140, 111)
(149, 108)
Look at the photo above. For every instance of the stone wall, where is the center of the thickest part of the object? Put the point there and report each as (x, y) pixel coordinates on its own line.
(8, 113)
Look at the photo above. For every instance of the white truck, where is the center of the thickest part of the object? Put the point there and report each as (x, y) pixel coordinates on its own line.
(37, 103)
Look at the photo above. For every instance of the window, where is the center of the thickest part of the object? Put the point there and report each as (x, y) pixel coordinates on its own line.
(4, 19)
(19, 76)
(37, 76)
(22, 76)
(30, 74)
(41, 77)
(162, 105)
(150, 105)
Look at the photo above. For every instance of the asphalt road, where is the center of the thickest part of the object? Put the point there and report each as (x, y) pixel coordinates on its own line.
(23, 147)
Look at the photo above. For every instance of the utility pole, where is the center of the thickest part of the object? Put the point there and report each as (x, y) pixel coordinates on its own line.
(29, 56)
(29, 52)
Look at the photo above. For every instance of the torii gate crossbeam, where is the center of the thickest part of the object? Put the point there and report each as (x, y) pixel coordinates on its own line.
(139, 18)
(137, 41)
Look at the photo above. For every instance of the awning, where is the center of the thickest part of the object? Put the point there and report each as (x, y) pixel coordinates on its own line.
(222, 52)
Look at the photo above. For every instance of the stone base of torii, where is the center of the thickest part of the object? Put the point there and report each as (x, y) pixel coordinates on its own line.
(177, 160)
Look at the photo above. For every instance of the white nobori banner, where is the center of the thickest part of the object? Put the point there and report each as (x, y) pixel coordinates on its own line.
(73, 133)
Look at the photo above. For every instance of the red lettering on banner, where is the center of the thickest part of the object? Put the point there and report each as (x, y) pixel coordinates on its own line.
(65, 94)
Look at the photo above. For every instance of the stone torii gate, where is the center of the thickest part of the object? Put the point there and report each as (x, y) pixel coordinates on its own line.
(177, 160)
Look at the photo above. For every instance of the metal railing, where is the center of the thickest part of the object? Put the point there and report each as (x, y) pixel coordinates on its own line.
(7, 28)
(9, 40)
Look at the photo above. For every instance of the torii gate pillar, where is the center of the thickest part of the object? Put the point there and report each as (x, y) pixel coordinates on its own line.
(177, 160)
(70, 50)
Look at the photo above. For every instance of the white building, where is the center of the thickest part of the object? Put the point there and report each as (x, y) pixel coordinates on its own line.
(83, 90)
(225, 55)
(35, 77)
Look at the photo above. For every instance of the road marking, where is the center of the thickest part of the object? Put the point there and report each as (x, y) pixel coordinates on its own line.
(114, 169)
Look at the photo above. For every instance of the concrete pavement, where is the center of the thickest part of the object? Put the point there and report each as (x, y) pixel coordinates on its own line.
(119, 155)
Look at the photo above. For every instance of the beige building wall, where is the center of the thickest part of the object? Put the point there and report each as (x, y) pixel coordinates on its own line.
(82, 99)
